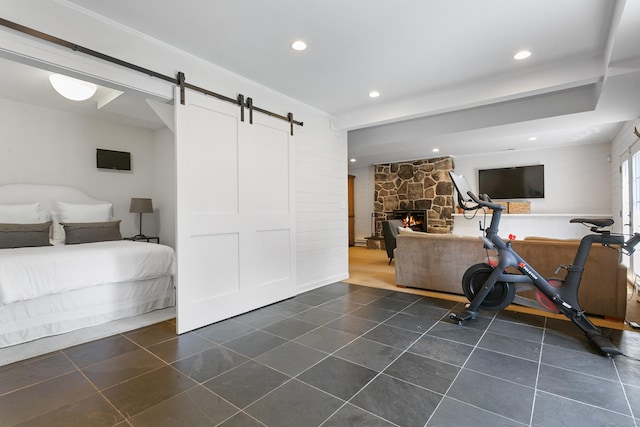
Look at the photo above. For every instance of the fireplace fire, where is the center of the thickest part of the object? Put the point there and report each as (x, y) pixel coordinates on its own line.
(414, 219)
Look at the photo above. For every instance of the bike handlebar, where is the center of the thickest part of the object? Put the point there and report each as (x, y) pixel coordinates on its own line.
(466, 195)
(485, 200)
(629, 245)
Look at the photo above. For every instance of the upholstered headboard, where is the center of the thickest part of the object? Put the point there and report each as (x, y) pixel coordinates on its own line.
(46, 195)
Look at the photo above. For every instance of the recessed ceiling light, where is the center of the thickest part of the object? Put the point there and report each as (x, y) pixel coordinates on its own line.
(533, 138)
(523, 54)
(298, 45)
(374, 94)
(352, 160)
(435, 150)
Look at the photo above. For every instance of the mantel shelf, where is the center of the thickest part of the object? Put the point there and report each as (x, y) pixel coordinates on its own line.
(555, 225)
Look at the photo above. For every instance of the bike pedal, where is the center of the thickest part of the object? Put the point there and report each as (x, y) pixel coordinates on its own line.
(459, 318)
(456, 318)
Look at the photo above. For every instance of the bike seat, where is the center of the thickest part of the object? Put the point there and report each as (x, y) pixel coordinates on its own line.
(597, 222)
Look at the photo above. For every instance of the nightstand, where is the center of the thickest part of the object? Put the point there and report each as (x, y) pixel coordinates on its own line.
(144, 239)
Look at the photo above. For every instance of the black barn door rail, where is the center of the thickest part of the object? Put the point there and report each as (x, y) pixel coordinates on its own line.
(180, 80)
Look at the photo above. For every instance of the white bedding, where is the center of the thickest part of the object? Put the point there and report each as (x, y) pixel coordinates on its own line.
(28, 273)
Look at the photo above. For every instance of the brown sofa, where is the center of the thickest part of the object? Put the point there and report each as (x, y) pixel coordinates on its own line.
(437, 262)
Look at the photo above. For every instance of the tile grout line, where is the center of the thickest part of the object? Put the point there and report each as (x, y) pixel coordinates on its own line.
(292, 378)
(535, 390)
(380, 373)
(345, 402)
(406, 350)
(445, 394)
(624, 392)
(99, 392)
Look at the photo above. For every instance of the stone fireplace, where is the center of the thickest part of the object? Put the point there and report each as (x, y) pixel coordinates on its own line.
(419, 185)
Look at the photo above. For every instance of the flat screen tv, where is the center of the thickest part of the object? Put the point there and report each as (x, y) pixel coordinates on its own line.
(522, 182)
(117, 160)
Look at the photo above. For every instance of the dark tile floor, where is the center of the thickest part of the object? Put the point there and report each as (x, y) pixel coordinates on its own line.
(341, 355)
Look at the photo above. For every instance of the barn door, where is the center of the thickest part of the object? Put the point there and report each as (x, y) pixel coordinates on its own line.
(235, 237)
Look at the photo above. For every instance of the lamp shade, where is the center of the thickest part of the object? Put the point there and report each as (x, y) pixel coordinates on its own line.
(139, 205)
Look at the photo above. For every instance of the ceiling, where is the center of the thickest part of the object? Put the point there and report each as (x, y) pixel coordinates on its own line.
(444, 68)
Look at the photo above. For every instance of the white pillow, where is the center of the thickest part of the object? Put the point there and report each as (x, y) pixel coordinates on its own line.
(43, 216)
(403, 230)
(23, 214)
(74, 212)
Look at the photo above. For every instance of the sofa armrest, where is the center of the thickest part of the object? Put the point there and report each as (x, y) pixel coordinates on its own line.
(435, 262)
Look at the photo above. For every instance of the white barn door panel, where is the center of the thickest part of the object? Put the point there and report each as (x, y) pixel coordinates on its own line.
(235, 236)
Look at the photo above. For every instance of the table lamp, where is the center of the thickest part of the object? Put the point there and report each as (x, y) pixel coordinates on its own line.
(140, 206)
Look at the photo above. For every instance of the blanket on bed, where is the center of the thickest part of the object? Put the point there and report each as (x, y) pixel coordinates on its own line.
(27, 273)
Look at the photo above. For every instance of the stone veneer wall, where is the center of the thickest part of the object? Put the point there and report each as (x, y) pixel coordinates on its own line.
(419, 185)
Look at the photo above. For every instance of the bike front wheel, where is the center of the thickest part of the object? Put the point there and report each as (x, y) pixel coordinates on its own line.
(474, 280)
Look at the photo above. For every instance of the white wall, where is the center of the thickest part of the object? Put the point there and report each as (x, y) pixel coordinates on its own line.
(577, 180)
(322, 152)
(621, 145)
(164, 186)
(44, 146)
(321, 211)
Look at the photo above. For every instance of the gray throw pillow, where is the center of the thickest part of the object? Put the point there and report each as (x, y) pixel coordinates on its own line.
(24, 235)
(90, 232)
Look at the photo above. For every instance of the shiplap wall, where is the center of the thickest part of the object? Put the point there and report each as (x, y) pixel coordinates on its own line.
(321, 210)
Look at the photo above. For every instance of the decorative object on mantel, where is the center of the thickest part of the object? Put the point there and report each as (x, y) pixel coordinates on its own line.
(140, 206)
(520, 207)
(505, 211)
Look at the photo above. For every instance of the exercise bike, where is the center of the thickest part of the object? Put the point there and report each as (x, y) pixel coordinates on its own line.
(490, 286)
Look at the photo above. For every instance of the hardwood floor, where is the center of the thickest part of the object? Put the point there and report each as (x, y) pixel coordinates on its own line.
(369, 267)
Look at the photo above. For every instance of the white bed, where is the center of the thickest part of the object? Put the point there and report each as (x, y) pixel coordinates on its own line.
(49, 290)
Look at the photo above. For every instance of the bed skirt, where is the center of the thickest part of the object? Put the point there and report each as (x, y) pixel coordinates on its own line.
(56, 314)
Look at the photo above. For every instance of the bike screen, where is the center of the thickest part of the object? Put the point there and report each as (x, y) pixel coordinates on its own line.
(463, 189)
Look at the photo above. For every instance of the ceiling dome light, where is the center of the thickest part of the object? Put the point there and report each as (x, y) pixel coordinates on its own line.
(73, 89)
(374, 94)
(298, 45)
(523, 54)
(533, 138)
(436, 150)
(352, 160)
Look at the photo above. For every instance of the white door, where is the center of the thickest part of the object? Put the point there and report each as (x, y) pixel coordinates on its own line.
(235, 237)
